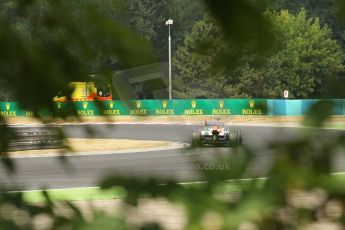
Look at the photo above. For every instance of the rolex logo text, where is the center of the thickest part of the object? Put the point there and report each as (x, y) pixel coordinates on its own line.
(164, 110)
(252, 110)
(193, 111)
(221, 110)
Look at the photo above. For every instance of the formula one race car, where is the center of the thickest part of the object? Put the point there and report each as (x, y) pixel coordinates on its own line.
(214, 133)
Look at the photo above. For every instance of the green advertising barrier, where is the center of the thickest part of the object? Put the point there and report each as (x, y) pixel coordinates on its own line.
(12, 109)
(115, 108)
(163, 107)
(152, 107)
(61, 108)
(86, 108)
(188, 107)
(220, 107)
(192, 107)
(142, 107)
(91, 108)
(245, 106)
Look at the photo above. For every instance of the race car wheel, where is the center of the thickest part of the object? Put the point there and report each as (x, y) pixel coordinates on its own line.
(227, 144)
(196, 140)
(235, 138)
(240, 139)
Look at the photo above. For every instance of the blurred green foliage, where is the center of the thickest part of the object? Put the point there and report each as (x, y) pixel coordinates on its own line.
(47, 43)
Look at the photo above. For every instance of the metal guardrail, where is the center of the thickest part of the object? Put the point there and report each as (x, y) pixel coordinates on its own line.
(31, 138)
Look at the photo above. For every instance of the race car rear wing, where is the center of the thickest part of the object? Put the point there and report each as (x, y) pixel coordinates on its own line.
(214, 123)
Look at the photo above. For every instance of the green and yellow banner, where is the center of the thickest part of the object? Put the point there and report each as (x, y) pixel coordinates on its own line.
(188, 107)
(12, 109)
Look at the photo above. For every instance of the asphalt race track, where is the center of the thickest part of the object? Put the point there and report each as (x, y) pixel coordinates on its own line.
(179, 164)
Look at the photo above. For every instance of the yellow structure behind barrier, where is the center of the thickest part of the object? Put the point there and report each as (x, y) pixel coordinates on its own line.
(86, 91)
(83, 91)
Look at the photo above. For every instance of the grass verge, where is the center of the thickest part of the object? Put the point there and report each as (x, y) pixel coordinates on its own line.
(336, 125)
(71, 194)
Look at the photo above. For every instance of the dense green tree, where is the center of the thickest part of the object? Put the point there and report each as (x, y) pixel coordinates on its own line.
(308, 57)
(305, 59)
(148, 17)
(194, 70)
(326, 10)
(142, 14)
